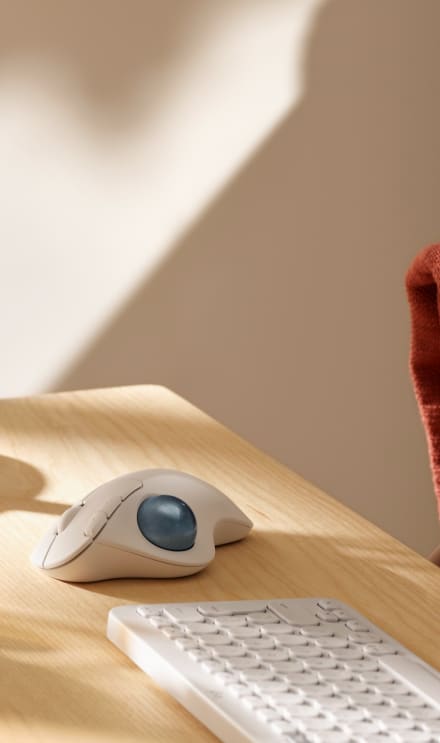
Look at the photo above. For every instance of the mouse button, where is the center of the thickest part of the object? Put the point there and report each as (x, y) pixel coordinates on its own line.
(129, 486)
(111, 503)
(95, 523)
(65, 547)
(120, 488)
(39, 554)
(66, 518)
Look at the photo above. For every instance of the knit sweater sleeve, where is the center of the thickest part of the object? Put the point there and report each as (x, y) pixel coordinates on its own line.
(423, 289)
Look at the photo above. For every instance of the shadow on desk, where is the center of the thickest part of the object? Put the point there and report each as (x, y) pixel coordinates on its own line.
(99, 711)
(20, 482)
(299, 566)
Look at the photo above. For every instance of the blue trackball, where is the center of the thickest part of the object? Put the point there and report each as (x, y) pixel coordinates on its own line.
(168, 522)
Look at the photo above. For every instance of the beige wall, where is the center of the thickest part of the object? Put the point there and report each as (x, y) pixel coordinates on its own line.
(251, 256)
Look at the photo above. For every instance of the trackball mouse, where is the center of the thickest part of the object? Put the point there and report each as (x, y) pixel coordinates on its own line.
(154, 523)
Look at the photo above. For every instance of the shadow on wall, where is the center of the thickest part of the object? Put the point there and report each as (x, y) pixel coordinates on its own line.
(282, 312)
(111, 51)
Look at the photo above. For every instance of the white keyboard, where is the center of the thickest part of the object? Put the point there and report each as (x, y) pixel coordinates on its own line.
(302, 670)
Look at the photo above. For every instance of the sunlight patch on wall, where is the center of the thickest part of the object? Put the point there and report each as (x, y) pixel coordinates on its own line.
(97, 188)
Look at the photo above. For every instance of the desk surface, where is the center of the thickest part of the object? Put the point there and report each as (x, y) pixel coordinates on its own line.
(60, 679)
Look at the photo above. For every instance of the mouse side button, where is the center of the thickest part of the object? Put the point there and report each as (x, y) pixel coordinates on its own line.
(96, 522)
(65, 519)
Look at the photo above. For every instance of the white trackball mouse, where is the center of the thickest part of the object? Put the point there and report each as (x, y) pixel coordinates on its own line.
(147, 524)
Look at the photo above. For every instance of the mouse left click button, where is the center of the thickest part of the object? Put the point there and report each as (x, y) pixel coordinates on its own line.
(38, 556)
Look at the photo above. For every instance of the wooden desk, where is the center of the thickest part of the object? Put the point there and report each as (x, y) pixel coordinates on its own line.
(60, 679)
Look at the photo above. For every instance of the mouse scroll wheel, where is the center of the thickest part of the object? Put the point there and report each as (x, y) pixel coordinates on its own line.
(66, 518)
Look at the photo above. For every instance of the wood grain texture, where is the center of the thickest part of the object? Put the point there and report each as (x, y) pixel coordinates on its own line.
(60, 679)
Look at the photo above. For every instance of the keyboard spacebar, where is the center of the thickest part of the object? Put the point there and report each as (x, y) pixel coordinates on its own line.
(421, 678)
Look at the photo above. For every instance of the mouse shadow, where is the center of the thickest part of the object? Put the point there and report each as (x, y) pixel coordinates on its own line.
(20, 483)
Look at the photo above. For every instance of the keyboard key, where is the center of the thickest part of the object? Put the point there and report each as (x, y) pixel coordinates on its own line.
(219, 639)
(367, 699)
(365, 727)
(149, 611)
(426, 713)
(379, 648)
(327, 616)
(160, 622)
(284, 726)
(328, 604)
(213, 666)
(321, 690)
(244, 632)
(229, 651)
(294, 613)
(262, 617)
(321, 663)
(322, 722)
(416, 736)
(224, 609)
(364, 664)
(260, 643)
(332, 736)
(413, 700)
(186, 643)
(268, 714)
(279, 628)
(357, 626)
(304, 711)
(351, 653)
(347, 687)
(199, 628)
(364, 638)
(172, 632)
(336, 702)
(253, 701)
(340, 673)
(385, 711)
(198, 654)
(393, 689)
(257, 674)
(273, 655)
(287, 700)
(377, 677)
(246, 661)
(293, 640)
(269, 687)
(399, 722)
(332, 642)
(183, 614)
(232, 621)
(351, 713)
(288, 666)
(306, 651)
(322, 630)
(302, 679)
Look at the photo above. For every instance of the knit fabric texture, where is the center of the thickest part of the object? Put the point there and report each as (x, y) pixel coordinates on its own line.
(423, 287)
